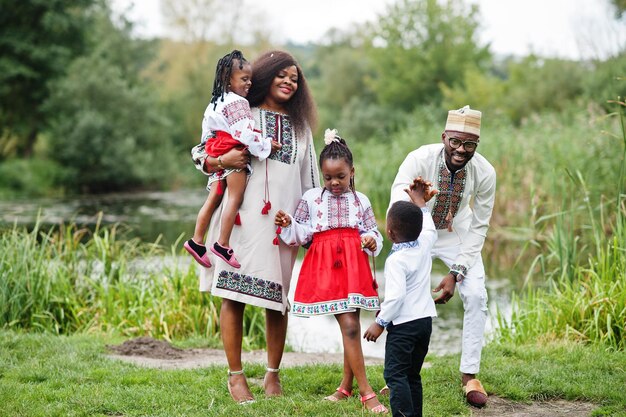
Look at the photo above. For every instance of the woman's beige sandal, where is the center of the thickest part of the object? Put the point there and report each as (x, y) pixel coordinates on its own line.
(475, 394)
(344, 394)
(248, 398)
(272, 392)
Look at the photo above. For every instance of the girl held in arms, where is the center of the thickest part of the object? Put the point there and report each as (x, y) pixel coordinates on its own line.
(227, 124)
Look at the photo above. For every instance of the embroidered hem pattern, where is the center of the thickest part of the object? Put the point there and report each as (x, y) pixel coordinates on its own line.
(249, 285)
(353, 302)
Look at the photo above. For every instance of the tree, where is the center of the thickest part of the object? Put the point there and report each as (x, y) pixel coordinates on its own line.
(38, 40)
(420, 44)
(224, 22)
(106, 123)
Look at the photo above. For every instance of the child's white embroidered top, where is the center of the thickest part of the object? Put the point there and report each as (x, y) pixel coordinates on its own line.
(319, 210)
(233, 115)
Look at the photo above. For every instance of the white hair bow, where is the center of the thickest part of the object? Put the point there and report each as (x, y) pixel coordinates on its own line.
(330, 136)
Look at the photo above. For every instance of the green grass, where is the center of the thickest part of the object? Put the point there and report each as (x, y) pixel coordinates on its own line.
(49, 375)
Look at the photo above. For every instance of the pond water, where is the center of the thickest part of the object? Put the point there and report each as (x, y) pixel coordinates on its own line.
(172, 215)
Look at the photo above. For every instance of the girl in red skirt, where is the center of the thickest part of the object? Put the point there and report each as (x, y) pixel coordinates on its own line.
(335, 277)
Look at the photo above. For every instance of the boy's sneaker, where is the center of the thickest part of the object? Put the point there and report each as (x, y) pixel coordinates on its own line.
(198, 252)
(226, 253)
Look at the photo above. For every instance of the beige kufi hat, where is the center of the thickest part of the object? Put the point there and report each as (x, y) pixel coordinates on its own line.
(464, 120)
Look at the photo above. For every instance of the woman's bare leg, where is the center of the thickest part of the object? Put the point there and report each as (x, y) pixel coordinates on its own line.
(276, 333)
(231, 325)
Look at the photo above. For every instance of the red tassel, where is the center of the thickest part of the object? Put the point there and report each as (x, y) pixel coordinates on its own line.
(238, 220)
(279, 230)
(275, 241)
(375, 284)
(220, 188)
(266, 207)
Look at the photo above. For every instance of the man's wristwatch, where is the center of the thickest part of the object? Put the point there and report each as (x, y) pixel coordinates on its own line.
(458, 277)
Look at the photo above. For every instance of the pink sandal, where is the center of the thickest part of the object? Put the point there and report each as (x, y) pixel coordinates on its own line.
(379, 409)
(340, 390)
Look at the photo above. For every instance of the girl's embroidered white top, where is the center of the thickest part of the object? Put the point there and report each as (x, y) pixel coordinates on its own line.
(233, 115)
(319, 210)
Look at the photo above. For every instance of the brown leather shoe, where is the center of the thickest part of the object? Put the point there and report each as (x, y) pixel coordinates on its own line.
(475, 394)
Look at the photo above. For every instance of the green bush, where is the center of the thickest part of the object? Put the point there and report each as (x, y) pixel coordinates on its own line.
(32, 177)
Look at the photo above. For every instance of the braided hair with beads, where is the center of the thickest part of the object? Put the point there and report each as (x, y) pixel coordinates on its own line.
(222, 74)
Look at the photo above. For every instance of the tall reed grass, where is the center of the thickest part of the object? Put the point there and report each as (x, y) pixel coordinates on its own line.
(582, 265)
(69, 279)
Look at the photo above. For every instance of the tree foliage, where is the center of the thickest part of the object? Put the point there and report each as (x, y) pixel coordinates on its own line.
(420, 44)
(528, 86)
(109, 127)
(38, 40)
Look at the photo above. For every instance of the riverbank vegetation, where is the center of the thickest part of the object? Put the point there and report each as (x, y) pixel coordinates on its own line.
(72, 280)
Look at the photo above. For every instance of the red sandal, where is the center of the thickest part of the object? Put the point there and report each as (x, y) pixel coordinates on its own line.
(379, 409)
(340, 390)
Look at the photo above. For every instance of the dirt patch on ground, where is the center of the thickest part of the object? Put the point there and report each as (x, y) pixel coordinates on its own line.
(145, 351)
(148, 352)
(497, 407)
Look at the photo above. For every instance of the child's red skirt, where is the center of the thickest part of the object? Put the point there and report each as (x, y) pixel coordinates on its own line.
(335, 276)
(220, 144)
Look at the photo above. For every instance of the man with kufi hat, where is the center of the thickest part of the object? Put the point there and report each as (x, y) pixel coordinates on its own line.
(461, 175)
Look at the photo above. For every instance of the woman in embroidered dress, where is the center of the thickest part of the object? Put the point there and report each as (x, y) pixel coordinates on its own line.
(335, 277)
(227, 124)
(283, 108)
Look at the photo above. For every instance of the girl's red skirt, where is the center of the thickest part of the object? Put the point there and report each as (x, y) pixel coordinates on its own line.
(220, 144)
(335, 276)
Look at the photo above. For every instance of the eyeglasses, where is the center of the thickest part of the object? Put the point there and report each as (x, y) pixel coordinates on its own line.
(469, 145)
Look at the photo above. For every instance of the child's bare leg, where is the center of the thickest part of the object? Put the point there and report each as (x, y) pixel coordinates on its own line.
(236, 183)
(351, 335)
(346, 381)
(195, 246)
(206, 213)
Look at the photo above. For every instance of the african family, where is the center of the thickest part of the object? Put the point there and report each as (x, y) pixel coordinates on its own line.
(266, 198)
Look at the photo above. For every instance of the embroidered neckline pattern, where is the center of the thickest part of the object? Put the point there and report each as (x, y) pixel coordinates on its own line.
(450, 194)
(403, 245)
(279, 127)
(338, 211)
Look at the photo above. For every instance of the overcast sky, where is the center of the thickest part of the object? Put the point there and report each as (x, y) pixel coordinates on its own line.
(564, 28)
